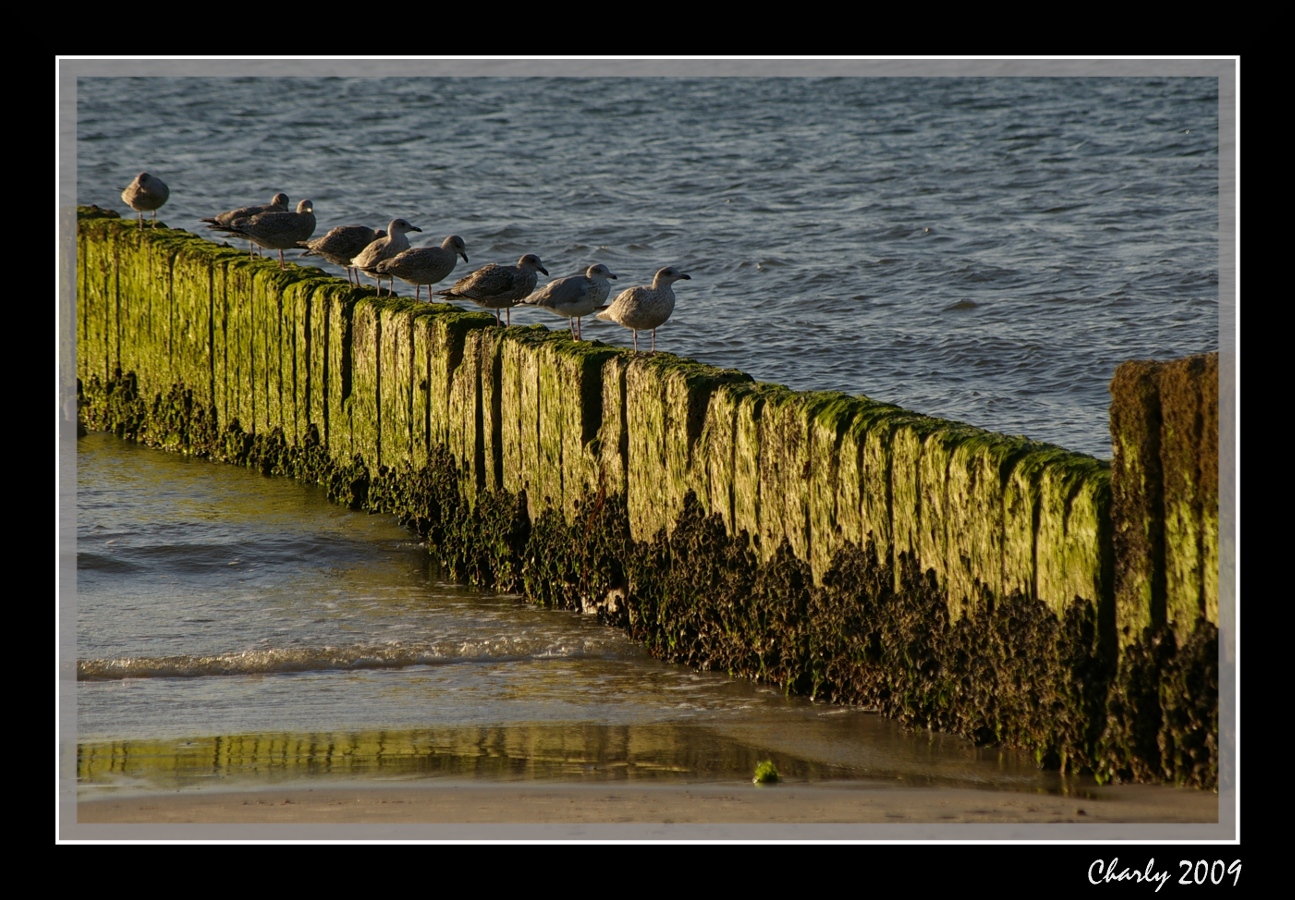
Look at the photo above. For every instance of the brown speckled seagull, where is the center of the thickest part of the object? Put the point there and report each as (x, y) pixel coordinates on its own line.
(224, 221)
(498, 287)
(425, 265)
(278, 230)
(393, 244)
(643, 308)
(146, 193)
(341, 245)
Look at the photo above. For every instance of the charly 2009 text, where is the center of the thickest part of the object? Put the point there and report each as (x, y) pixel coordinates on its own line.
(1194, 872)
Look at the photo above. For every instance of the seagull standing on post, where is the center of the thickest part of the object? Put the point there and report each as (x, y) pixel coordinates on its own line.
(341, 245)
(279, 230)
(224, 221)
(393, 244)
(425, 265)
(146, 193)
(574, 296)
(498, 287)
(643, 308)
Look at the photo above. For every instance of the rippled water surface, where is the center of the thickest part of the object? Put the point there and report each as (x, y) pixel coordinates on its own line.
(982, 249)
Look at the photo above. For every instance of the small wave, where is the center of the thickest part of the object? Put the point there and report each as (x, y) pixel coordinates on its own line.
(281, 661)
(92, 562)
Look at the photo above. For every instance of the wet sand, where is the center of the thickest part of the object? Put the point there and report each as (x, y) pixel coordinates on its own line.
(532, 803)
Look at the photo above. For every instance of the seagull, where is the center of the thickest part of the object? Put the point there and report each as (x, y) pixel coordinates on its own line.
(425, 265)
(498, 287)
(393, 244)
(278, 230)
(341, 245)
(223, 221)
(146, 193)
(641, 308)
(575, 295)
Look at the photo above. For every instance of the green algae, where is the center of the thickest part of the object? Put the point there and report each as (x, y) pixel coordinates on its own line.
(1165, 494)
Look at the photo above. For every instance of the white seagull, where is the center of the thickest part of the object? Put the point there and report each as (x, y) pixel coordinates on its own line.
(574, 296)
(384, 248)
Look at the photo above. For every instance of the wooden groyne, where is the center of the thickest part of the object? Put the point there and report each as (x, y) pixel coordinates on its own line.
(841, 547)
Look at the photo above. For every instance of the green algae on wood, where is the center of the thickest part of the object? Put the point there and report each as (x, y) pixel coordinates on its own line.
(1072, 556)
(976, 509)
(569, 407)
(1189, 447)
(1164, 486)
(665, 407)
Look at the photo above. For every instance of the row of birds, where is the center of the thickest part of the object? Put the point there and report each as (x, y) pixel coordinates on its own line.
(387, 255)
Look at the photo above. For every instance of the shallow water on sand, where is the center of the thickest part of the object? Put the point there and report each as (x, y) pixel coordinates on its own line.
(234, 629)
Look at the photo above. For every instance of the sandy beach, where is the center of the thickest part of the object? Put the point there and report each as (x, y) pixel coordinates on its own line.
(727, 810)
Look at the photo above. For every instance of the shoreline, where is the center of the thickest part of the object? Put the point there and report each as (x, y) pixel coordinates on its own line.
(839, 810)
